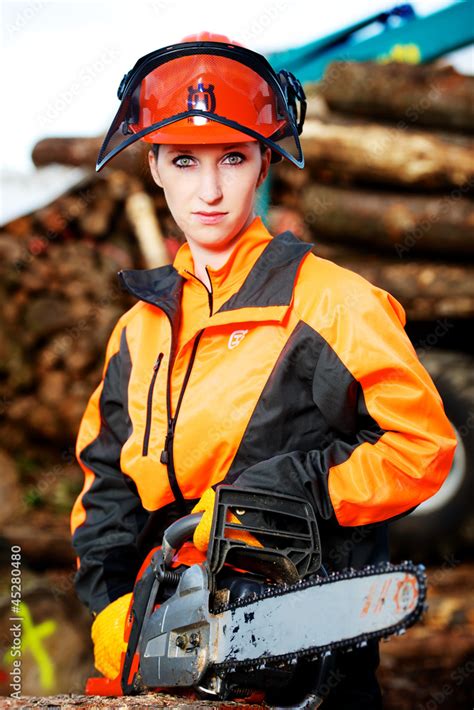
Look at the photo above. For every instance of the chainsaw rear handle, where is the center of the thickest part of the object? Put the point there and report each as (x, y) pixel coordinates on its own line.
(176, 534)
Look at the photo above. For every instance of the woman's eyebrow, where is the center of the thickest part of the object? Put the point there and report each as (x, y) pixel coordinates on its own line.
(189, 149)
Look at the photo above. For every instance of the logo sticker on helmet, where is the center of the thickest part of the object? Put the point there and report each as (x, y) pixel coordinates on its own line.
(202, 98)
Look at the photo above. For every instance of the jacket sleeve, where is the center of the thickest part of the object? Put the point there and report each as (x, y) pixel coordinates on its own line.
(392, 445)
(107, 515)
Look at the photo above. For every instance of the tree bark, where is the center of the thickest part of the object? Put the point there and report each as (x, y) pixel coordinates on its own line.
(411, 94)
(392, 156)
(370, 153)
(84, 152)
(148, 701)
(399, 224)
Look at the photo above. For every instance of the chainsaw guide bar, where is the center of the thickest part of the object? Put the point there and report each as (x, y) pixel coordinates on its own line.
(409, 595)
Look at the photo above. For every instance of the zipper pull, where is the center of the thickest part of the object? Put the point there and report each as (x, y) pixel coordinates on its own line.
(209, 293)
(157, 362)
(164, 457)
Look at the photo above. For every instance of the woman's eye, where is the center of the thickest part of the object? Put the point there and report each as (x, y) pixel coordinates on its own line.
(185, 161)
(238, 156)
(180, 158)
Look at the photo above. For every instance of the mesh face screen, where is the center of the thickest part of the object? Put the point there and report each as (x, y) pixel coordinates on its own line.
(213, 84)
(203, 98)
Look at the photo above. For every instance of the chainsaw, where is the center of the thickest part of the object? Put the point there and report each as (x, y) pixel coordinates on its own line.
(247, 618)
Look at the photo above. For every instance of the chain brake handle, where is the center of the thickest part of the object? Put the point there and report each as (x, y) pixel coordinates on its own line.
(285, 526)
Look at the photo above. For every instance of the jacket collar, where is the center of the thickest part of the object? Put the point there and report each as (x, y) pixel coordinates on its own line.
(265, 294)
(229, 277)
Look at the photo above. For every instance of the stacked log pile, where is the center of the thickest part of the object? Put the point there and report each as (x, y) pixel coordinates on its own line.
(61, 299)
(389, 183)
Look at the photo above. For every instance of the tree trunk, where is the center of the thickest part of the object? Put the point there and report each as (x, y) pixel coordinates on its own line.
(333, 152)
(392, 156)
(400, 224)
(147, 701)
(84, 152)
(412, 94)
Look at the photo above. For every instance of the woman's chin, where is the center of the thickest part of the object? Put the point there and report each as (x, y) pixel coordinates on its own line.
(207, 235)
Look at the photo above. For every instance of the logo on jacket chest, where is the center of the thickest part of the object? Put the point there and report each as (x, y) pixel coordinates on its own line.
(236, 338)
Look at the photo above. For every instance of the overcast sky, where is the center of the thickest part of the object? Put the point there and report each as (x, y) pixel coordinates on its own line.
(63, 61)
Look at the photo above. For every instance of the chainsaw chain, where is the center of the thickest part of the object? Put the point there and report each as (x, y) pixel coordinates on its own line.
(356, 641)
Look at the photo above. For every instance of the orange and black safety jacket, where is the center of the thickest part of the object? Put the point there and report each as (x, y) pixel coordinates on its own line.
(291, 374)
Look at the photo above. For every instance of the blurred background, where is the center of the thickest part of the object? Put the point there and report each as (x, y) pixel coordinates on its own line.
(387, 191)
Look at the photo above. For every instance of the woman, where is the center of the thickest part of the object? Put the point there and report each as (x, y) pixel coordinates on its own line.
(249, 360)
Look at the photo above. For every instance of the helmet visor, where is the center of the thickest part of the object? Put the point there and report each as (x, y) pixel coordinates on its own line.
(204, 92)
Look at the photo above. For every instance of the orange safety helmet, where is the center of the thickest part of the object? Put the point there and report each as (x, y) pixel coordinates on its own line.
(207, 89)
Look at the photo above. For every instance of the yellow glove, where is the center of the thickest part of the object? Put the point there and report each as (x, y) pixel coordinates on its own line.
(107, 633)
(203, 530)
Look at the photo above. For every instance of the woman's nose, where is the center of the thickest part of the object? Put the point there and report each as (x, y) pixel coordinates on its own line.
(210, 188)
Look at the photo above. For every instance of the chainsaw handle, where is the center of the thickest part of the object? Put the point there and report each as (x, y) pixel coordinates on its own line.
(176, 534)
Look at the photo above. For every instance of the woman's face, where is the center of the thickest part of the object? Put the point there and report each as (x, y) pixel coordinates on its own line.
(211, 178)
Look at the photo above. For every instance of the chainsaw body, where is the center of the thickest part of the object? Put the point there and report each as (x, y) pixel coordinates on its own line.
(248, 618)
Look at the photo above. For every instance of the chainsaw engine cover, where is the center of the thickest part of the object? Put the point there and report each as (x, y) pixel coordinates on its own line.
(179, 634)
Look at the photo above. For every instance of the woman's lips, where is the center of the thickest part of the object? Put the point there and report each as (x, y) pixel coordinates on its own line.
(209, 218)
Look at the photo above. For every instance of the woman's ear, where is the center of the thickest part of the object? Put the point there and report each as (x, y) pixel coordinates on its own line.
(154, 168)
(266, 158)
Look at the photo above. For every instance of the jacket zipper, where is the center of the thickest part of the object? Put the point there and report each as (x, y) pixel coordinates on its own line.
(149, 404)
(166, 456)
(167, 453)
(209, 293)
